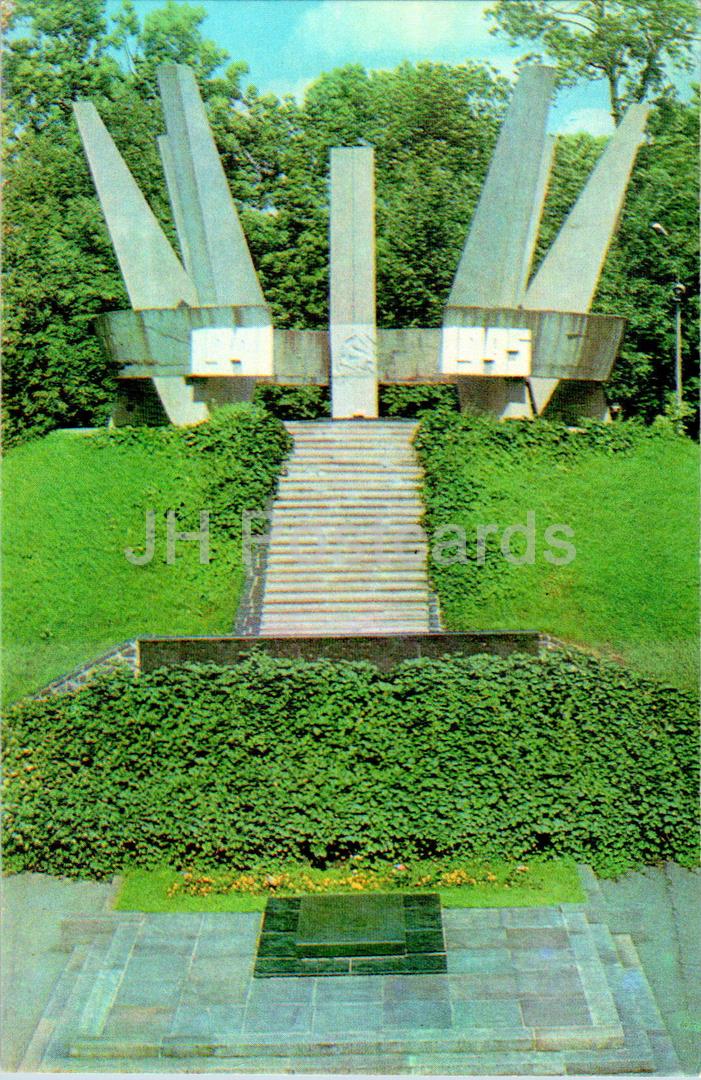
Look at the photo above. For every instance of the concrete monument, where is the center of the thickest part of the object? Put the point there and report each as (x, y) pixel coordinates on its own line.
(352, 300)
(516, 343)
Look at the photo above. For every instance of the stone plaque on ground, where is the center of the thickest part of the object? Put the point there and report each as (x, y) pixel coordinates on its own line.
(352, 934)
(353, 925)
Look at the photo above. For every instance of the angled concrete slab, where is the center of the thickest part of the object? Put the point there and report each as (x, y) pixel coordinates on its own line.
(175, 202)
(498, 250)
(152, 272)
(502, 397)
(541, 392)
(352, 299)
(569, 274)
(210, 232)
(178, 399)
(546, 164)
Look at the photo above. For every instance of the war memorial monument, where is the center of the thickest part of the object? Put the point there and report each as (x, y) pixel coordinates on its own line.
(199, 332)
(361, 982)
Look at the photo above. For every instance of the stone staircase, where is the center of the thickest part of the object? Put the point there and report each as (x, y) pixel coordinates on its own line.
(347, 554)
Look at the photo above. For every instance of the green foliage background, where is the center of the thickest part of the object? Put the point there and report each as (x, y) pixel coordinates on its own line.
(433, 127)
(275, 760)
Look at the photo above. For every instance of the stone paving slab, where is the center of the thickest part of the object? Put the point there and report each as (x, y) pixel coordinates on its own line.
(545, 992)
(142, 997)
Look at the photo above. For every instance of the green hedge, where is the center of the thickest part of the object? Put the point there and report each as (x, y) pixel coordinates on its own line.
(244, 447)
(275, 760)
(314, 402)
(412, 401)
(294, 402)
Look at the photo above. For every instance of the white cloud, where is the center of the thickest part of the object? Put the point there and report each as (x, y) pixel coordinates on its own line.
(593, 121)
(335, 27)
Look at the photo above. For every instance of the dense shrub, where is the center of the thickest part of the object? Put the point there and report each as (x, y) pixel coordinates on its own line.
(245, 447)
(411, 401)
(294, 402)
(275, 759)
(314, 402)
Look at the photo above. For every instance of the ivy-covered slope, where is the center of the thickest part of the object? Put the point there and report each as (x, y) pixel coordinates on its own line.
(275, 760)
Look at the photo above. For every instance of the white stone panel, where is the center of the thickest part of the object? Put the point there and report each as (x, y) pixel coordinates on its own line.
(476, 350)
(228, 350)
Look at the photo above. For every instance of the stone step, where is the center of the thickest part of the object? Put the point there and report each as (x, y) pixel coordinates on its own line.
(373, 453)
(319, 507)
(412, 609)
(349, 561)
(359, 459)
(332, 486)
(321, 510)
(358, 442)
(317, 481)
(276, 584)
(349, 478)
(381, 460)
(91, 1022)
(360, 628)
(321, 492)
(351, 521)
(377, 534)
(348, 601)
(327, 423)
(340, 570)
(350, 536)
(352, 616)
(346, 480)
(351, 474)
(351, 431)
(349, 554)
(362, 522)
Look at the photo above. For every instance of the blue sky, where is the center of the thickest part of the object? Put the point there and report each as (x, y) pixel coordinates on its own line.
(287, 43)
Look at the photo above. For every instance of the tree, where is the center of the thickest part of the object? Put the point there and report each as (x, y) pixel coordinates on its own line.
(639, 273)
(53, 53)
(433, 127)
(631, 44)
(169, 34)
(59, 267)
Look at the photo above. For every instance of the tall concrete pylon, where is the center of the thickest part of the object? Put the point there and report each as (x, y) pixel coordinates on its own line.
(153, 274)
(212, 241)
(538, 204)
(569, 274)
(495, 261)
(352, 293)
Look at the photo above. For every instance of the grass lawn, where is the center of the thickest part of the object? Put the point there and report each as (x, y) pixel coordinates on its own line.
(548, 882)
(71, 507)
(631, 592)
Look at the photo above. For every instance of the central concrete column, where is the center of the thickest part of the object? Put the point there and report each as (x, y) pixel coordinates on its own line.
(352, 307)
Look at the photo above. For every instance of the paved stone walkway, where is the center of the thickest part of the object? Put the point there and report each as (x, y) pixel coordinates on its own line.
(32, 953)
(528, 991)
(660, 909)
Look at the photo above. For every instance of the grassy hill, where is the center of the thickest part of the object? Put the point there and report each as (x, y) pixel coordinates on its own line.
(630, 497)
(73, 503)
